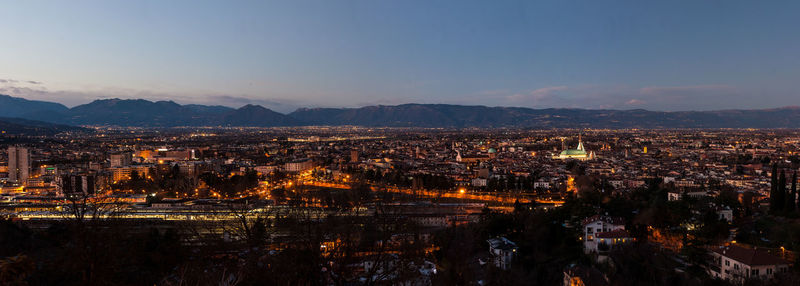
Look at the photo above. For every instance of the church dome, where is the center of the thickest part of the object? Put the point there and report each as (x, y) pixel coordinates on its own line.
(573, 152)
(492, 150)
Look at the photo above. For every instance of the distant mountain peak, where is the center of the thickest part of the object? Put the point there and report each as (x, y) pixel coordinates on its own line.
(20, 107)
(253, 107)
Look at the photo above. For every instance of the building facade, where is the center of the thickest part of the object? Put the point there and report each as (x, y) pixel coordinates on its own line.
(738, 264)
(19, 164)
(503, 252)
(603, 231)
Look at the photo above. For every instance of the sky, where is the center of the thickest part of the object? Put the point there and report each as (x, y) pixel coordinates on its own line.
(656, 55)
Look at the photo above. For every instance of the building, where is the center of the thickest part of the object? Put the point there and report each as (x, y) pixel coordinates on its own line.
(579, 153)
(600, 229)
(737, 264)
(121, 160)
(608, 240)
(677, 195)
(503, 252)
(265, 169)
(479, 182)
(19, 164)
(541, 184)
(725, 213)
(299, 165)
(76, 184)
(125, 173)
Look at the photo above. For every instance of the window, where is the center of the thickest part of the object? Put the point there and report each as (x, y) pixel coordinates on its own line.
(589, 230)
(769, 271)
(735, 266)
(727, 262)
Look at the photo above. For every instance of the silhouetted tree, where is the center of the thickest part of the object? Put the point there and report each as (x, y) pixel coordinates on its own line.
(780, 195)
(792, 195)
(773, 191)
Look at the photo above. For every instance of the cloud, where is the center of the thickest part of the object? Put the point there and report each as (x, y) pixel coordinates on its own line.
(669, 98)
(14, 81)
(634, 102)
(660, 90)
(665, 98)
(538, 95)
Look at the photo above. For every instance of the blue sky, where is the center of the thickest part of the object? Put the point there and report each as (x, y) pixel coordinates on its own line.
(658, 55)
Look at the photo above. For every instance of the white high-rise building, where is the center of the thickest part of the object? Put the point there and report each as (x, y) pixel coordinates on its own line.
(19, 164)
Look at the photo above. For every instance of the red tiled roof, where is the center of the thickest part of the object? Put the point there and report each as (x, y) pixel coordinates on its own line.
(749, 256)
(607, 219)
(619, 233)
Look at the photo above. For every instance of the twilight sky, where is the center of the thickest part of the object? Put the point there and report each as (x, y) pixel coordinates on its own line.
(658, 55)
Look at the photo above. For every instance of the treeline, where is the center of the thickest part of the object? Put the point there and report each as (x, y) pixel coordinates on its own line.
(245, 246)
(173, 181)
(230, 185)
(91, 253)
(401, 178)
(511, 182)
(783, 201)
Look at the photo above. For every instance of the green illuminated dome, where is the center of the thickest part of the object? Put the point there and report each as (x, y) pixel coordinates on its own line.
(573, 152)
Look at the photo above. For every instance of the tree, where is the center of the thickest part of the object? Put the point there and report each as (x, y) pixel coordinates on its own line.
(794, 189)
(773, 191)
(780, 198)
(16, 269)
(792, 196)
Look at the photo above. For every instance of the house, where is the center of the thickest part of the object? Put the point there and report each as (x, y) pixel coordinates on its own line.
(725, 213)
(479, 182)
(503, 252)
(736, 263)
(541, 184)
(676, 196)
(608, 240)
(606, 225)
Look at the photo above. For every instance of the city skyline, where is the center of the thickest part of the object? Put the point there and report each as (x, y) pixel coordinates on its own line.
(419, 143)
(665, 56)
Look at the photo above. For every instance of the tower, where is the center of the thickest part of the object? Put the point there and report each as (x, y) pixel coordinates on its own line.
(19, 163)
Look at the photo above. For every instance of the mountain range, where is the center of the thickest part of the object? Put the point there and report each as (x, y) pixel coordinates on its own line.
(19, 126)
(144, 113)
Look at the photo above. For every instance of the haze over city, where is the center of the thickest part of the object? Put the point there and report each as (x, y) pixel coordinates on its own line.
(666, 56)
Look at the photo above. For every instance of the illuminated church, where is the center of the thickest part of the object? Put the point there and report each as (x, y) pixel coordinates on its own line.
(577, 154)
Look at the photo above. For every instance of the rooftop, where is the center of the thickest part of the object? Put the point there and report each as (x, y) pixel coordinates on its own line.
(749, 256)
